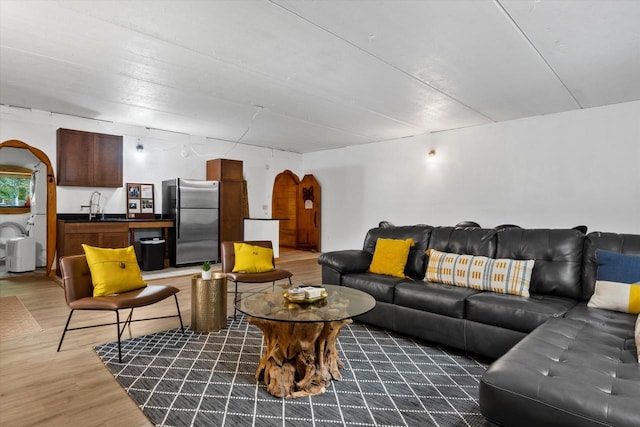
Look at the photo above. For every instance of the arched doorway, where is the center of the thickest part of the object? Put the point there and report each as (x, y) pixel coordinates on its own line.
(51, 197)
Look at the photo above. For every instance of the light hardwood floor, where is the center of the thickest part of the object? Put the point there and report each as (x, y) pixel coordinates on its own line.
(39, 386)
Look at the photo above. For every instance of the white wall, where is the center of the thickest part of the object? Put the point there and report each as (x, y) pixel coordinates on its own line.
(161, 160)
(554, 171)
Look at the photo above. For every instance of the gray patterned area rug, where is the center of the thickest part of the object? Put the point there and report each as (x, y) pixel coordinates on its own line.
(200, 379)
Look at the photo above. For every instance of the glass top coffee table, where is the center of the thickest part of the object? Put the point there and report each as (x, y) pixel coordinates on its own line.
(300, 357)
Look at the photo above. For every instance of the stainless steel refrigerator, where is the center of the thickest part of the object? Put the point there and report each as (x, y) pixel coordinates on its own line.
(194, 206)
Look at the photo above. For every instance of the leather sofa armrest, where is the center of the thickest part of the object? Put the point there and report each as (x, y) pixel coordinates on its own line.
(347, 261)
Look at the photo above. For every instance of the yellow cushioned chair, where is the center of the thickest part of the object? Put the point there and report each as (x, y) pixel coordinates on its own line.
(229, 261)
(78, 291)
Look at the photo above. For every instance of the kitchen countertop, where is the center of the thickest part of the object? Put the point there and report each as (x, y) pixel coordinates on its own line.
(266, 219)
(79, 218)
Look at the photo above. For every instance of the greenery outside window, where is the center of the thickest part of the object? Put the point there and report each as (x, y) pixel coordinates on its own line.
(15, 189)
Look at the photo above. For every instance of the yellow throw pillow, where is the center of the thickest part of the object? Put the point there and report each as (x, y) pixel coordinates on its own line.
(252, 259)
(390, 257)
(113, 271)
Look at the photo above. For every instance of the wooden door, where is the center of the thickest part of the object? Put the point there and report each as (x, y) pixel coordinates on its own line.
(231, 215)
(75, 158)
(114, 240)
(73, 243)
(284, 207)
(107, 160)
(308, 214)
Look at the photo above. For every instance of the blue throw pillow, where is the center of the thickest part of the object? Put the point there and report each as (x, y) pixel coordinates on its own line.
(614, 267)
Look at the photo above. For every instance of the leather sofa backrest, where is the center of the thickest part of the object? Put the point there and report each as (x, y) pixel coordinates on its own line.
(464, 240)
(628, 244)
(416, 261)
(558, 255)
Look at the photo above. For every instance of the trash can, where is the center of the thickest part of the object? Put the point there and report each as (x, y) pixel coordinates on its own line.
(208, 303)
(152, 253)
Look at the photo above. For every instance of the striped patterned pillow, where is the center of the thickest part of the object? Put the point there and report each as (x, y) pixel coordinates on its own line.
(506, 276)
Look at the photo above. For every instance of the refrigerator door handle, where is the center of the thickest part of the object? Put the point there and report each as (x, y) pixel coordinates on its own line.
(177, 208)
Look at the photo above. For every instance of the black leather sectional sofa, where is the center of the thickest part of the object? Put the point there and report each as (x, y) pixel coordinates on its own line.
(558, 361)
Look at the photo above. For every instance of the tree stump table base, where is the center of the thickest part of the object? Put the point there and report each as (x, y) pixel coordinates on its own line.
(300, 357)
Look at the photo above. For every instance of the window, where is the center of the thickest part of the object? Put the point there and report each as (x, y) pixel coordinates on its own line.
(15, 187)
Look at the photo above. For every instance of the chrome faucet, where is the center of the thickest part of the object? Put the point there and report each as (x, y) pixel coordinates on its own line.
(91, 205)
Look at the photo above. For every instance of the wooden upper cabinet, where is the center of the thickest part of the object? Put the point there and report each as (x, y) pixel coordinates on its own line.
(224, 170)
(75, 157)
(107, 160)
(89, 159)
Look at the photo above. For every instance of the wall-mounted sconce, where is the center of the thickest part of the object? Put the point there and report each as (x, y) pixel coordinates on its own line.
(431, 153)
(140, 148)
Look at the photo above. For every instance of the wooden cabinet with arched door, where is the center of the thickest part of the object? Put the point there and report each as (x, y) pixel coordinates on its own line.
(308, 215)
(284, 208)
(297, 204)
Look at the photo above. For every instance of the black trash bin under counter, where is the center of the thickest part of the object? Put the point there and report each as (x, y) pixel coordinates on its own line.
(152, 253)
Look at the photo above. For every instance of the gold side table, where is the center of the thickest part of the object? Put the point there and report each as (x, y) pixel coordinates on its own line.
(208, 303)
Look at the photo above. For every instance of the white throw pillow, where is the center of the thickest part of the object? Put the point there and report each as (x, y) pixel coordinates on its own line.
(617, 282)
(638, 337)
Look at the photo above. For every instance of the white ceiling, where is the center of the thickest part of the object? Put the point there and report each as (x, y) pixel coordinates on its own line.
(304, 76)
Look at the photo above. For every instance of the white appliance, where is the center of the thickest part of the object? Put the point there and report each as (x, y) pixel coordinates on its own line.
(21, 254)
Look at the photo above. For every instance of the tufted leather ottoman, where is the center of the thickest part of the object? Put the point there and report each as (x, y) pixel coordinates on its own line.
(567, 372)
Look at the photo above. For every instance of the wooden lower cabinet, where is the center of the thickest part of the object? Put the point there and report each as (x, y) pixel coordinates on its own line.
(72, 235)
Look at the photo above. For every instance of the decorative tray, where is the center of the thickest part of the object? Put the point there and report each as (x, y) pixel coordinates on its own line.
(322, 296)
